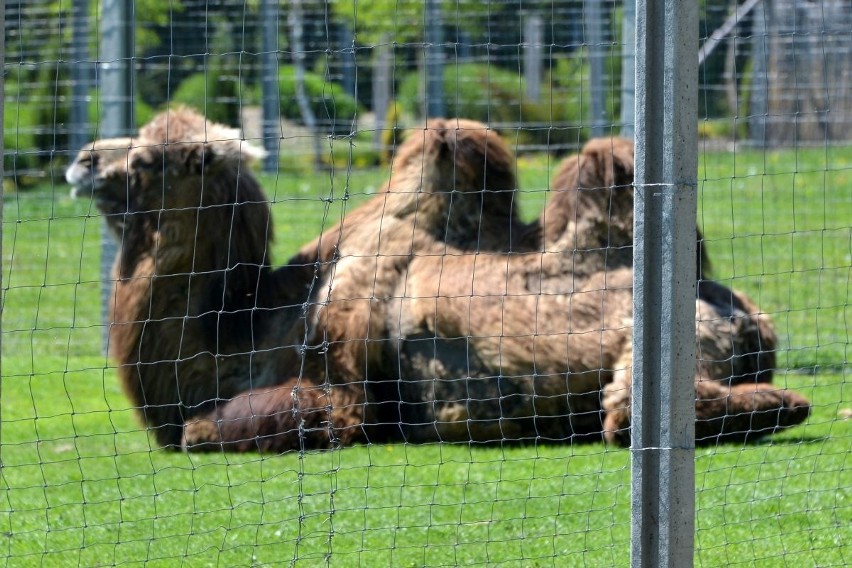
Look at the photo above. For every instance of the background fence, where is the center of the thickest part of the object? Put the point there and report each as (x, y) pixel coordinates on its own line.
(328, 89)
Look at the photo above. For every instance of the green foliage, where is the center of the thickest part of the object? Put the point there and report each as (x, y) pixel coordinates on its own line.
(214, 94)
(496, 96)
(332, 107)
(476, 91)
(403, 20)
(148, 15)
(718, 129)
(37, 95)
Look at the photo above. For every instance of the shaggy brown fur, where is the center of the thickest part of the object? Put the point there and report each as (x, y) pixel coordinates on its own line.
(192, 297)
(419, 324)
(431, 339)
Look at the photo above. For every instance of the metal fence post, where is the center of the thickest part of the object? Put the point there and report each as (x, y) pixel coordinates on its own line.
(434, 59)
(628, 70)
(81, 73)
(533, 47)
(594, 34)
(296, 24)
(663, 427)
(382, 88)
(271, 115)
(348, 65)
(116, 82)
(759, 99)
(2, 174)
(116, 69)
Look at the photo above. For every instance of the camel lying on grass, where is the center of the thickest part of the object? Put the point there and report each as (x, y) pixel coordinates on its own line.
(428, 313)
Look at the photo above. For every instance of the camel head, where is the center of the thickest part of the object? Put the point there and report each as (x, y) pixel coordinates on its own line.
(182, 186)
(84, 174)
(86, 177)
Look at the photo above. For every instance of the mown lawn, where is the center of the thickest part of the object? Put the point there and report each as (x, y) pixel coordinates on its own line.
(82, 485)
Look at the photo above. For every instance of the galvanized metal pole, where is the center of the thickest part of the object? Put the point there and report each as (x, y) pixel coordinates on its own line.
(116, 86)
(116, 68)
(2, 174)
(434, 59)
(628, 70)
(296, 21)
(593, 20)
(348, 67)
(382, 88)
(664, 365)
(759, 98)
(271, 113)
(533, 47)
(81, 75)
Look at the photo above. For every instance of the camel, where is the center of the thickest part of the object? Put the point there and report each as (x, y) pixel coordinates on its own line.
(187, 311)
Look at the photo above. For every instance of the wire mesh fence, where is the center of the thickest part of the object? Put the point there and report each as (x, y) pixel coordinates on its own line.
(430, 362)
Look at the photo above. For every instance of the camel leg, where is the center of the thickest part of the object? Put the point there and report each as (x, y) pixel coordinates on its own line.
(295, 415)
(616, 403)
(722, 414)
(745, 411)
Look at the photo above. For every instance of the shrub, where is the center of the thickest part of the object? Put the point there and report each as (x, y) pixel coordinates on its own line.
(498, 97)
(214, 94)
(333, 109)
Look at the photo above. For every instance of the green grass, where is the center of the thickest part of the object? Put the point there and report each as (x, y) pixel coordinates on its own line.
(779, 226)
(81, 484)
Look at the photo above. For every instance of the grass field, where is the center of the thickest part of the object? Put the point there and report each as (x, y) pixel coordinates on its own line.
(82, 485)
